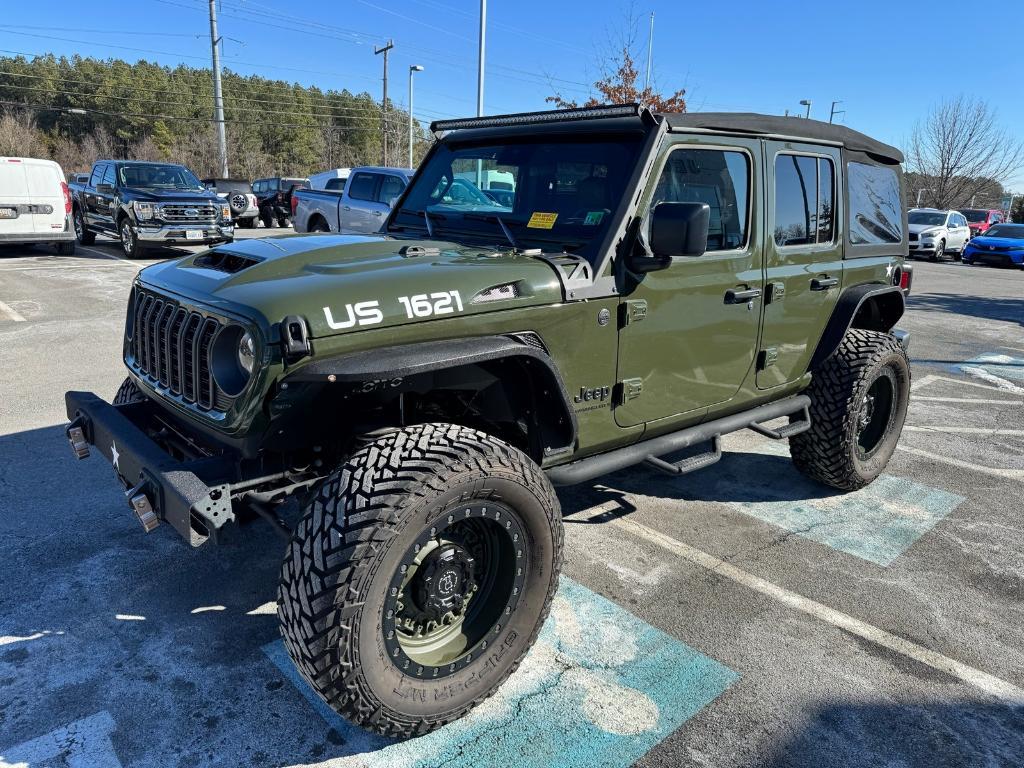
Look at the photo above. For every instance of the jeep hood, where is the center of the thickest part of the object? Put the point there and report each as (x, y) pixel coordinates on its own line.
(324, 277)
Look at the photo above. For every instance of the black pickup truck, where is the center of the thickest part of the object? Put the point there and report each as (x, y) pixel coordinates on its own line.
(147, 204)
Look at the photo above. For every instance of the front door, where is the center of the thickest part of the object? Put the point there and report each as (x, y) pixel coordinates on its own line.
(803, 254)
(686, 342)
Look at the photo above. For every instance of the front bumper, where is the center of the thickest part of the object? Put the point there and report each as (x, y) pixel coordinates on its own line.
(980, 255)
(176, 233)
(56, 236)
(193, 496)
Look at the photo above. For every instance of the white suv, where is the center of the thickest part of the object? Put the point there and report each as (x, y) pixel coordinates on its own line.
(934, 233)
(35, 204)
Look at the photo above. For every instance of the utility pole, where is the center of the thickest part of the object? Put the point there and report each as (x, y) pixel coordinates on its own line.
(412, 70)
(218, 97)
(384, 104)
(650, 47)
(835, 112)
(480, 60)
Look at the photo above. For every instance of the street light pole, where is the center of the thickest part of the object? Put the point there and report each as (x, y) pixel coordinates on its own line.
(384, 103)
(480, 60)
(412, 69)
(835, 112)
(919, 193)
(218, 97)
(806, 103)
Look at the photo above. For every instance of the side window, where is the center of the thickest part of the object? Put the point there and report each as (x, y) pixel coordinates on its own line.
(108, 175)
(390, 188)
(804, 200)
(97, 175)
(362, 187)
(720, 178)
(876, 214)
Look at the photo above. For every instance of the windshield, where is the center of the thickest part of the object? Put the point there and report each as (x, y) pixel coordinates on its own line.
(928, 219)
(975, 217)
(1016, 232)
(155, 176)
(551, 193)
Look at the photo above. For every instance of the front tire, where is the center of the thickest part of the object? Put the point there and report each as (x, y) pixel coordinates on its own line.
(419, 576)
(940, 251)
(129, 239)
(128, 392)
(859, 399)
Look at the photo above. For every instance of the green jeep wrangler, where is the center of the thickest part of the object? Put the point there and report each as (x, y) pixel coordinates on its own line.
(658, 281)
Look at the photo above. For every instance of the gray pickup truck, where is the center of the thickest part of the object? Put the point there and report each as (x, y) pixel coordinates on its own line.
(360, 207)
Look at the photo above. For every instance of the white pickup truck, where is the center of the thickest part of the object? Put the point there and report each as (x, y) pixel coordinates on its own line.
(359, 208)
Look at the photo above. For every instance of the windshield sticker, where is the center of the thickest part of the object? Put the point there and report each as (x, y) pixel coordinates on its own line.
(542, 220)
(593, 218)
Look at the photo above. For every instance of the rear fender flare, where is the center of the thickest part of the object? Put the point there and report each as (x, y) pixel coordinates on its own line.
(870, 306)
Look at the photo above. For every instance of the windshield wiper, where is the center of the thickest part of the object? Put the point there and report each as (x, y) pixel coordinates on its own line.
(501, 223)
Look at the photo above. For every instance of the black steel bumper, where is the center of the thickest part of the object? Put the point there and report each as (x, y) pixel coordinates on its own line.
(193, 496)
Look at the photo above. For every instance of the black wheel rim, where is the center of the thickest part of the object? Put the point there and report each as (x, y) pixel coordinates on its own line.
(876, 414)
(457, 586)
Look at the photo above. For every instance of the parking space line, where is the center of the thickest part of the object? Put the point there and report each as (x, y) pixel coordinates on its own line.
(975, 400)
(991, 432)
(988, 684)
(1007, 474)
(85, 742)
(106, 255)
(8, 312)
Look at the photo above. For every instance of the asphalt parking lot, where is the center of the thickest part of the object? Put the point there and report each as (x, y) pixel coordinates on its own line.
(737, 617)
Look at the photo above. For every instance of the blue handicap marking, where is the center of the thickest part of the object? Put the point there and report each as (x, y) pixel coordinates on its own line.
(994, 367)
(599, 688)
(877, 523)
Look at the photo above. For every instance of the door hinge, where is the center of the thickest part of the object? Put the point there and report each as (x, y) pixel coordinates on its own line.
(767, 357)
(775, 292)
(630, 389)
(633, 311)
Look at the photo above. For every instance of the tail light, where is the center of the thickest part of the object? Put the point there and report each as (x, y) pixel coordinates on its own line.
(903, 277)
(67, 196)
(295, 204)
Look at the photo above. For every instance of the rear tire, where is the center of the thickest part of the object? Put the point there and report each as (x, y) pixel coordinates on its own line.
(859, 400)
(66, 247)
(396, 533)
(267, 219)
(319, 226)
(85, 237)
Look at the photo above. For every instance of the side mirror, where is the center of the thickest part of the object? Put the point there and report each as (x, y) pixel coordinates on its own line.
(104, 189)
(680, 229)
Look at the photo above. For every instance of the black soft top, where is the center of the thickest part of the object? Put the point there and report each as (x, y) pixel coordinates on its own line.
(793, 127)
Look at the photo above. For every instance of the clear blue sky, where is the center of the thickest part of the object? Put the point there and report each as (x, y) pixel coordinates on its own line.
(882, 59)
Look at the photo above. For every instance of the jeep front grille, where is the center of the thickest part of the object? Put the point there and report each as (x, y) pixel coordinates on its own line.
(181, 212)
(170, 347)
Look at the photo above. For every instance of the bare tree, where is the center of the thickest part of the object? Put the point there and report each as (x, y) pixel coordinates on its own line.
(959, 150)
(19, 136)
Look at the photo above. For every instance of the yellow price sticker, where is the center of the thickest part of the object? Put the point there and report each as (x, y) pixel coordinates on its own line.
(542, 220)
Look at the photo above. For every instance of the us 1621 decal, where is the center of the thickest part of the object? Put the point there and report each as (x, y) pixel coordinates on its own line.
(418, 306)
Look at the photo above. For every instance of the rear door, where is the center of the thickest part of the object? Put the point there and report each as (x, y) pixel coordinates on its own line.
(13, 196)
(803, 254)
(360, 210)
(44, 188)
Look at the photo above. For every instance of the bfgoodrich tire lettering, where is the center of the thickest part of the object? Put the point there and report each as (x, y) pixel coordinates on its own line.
(852, 438)
(352, 538)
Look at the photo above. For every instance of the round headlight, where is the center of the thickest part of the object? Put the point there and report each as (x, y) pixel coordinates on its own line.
(247, 352)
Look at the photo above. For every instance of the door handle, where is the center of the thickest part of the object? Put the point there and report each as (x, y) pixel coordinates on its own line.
(732, 296)
(376, 213)
(824, 283)
(346, 207)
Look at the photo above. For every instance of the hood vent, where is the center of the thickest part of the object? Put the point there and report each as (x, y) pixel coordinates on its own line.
(224, 261)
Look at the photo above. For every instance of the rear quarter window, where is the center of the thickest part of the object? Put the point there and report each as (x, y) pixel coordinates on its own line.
(875, 204)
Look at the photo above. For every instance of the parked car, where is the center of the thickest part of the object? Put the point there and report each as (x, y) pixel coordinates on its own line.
(934, 233)
(980, 219)
(274, 198)
(1002, 245)
(148, 205)
(35, 204)
(329, 179)
(360, 207)
(239, 194)
(412, 399)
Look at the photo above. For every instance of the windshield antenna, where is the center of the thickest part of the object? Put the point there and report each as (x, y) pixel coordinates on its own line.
(508, 233)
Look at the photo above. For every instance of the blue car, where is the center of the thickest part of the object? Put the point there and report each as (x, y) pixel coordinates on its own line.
(1002, 246)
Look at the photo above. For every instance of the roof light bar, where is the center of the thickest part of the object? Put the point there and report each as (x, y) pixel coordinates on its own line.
(547, 116)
